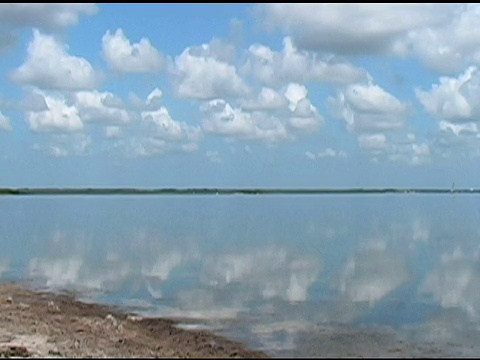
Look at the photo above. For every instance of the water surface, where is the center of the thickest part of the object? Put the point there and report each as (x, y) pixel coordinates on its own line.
(277, 272)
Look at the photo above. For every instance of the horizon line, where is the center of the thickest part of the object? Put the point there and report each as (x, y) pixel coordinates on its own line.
(224, 191)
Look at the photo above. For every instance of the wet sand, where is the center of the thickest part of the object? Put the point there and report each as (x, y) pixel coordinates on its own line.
(40, 324)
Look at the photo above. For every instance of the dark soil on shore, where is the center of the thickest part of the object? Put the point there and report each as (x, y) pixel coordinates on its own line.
(42, 324)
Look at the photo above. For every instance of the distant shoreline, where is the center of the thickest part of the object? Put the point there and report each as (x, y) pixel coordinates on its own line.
(230, 191)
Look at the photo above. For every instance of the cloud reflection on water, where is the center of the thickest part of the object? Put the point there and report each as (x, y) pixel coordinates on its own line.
(329, 261)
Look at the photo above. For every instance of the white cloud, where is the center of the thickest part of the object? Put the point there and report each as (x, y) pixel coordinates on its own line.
(305, 116)
(113, 132)
(368, 107)
(46, 16)
(372, 142)
(310, 155)
(5, 123)
(214, 157)
(268, 99)
(48, 65)
(104, 107)
(273, 68)
(457, 129)
(406, 149)
(58, 116)
(446, 37)
(352, 28)
(153, 99)
(305, 124)
(217, 48)
(453, 45)
(62, 145)
(453, 99)
(158, 134)
(164, 127)
(201, 75)
(123, 56)
(223, 119)
(372, 99)
(294, 93)
(327, 153)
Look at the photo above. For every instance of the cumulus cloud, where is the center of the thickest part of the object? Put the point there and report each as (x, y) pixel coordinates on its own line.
(352, 28)
(267, 99)
(446, 37)
(158, 133)
(57, 116)
(113, 132)
(62, 145)
(370, 112)
(104, 107)
(407, 149)
(327, 153)
(49, 65)
(5, 123)
(458, 129)
(304, 116)
(125, 57)
(46, 16)
(214, 157)
(454, 100)
(368, 107)
(288, 106)
(291, 65)
(372, 142)
(164, 127)
(202, 75)
(154, 98)
(223, 119)
(453, 45)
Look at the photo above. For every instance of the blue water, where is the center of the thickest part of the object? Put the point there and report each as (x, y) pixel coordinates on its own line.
(257, 268)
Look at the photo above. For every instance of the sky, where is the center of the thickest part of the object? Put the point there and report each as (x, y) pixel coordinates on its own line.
(239, 95)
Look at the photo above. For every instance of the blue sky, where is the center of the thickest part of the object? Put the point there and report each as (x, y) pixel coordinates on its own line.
(270, 95)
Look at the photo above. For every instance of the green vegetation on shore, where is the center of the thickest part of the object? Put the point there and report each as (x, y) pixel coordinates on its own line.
(224, 191)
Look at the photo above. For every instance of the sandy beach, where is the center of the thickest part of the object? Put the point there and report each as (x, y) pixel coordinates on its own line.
(41, 324)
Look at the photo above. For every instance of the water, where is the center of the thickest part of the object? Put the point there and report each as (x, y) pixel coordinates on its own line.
(274, 271)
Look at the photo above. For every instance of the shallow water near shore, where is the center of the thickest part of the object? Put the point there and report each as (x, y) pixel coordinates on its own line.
(292, 275)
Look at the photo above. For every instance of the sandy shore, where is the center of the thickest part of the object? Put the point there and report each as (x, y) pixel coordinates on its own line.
(43, 324)
(37, 324)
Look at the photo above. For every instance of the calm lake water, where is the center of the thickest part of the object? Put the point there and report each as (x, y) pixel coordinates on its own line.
(269, 270)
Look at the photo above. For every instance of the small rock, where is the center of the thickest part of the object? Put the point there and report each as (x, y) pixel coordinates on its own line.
(14, 351)
(134, 318)
(112, 319)
(23, 306)
(53, 307)
(54, 352)
(9, 300)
